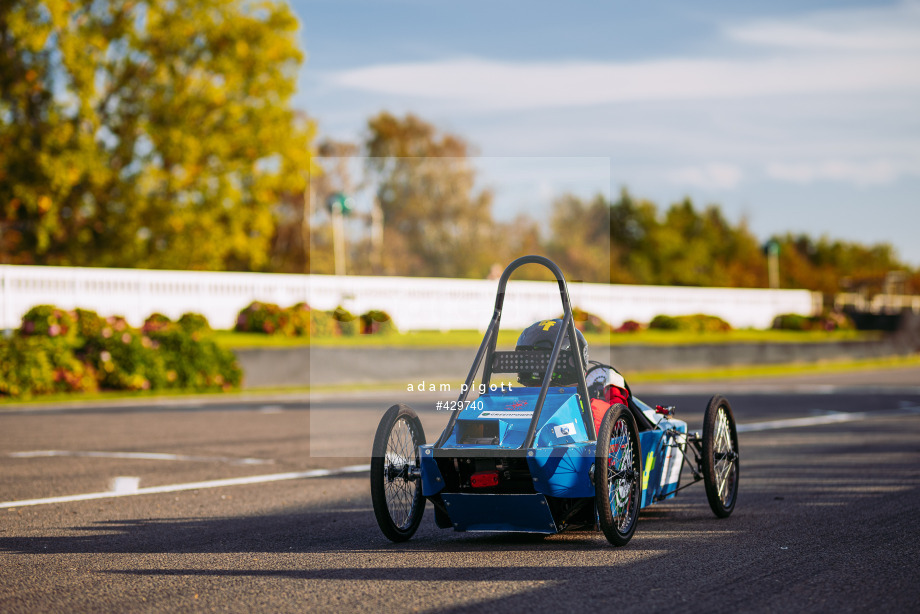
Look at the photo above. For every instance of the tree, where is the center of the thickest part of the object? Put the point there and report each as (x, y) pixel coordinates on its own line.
(149, 134)
(632, 225)
(827, 265)
(301, 243)
(580, 242)
(435, 222)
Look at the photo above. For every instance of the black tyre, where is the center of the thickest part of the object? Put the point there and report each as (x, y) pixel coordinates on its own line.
(396, 487)
(721, 466)
(618, 490)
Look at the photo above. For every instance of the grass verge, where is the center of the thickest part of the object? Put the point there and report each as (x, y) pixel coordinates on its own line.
(471, 338)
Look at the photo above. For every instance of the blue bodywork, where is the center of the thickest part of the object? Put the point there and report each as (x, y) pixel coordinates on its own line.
(560, 463)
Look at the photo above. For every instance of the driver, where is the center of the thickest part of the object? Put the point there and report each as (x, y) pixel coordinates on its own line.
(606, 386)
(541, 336)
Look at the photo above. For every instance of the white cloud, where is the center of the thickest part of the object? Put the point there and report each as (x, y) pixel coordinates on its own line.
(888, 29)
(708, 176)
(488, 84)
(864, 173)
(838, 52)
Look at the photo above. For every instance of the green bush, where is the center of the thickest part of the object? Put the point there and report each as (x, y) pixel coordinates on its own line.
(197, 364)
(829, 320)
(700, 323)
(348, 324)
(664, 323)
(49, 321)
(193, 323)
(322, 324)
(70, 374)
(299, 315)
(629, 326)
(125, 359)
(792, 321)
(25, 368)
(266, 318)
(31, 365)
(58, 351)
(89, 324)
(376, 322)
(300, 320)
(156, 322)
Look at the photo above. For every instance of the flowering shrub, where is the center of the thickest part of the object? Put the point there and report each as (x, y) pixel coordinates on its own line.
(377, 322)
(693, 323)
(265, 318)
(193, 323)
(49, 321)
(629, 326)
(25, 368)
(156, 322)
(829, 320)
(322, 324)
(300, 320)
(58, 351)
(125, 362)
(89, 324)
(300, 315)
(349, 325)
(32, 365)
(197, 364)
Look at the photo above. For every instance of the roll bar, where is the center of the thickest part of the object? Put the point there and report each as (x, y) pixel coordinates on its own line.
(487, 350)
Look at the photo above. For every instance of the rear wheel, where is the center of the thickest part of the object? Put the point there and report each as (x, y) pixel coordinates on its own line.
(618, 490)
(720, 457)
(396, 488)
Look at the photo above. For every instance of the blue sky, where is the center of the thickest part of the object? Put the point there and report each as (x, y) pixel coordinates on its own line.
(795, 116)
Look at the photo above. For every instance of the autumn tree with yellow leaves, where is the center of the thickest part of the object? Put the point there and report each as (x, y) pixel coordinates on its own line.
(147, 134)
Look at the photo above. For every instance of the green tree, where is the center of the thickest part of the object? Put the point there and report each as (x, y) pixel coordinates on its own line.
(435, 222)
(149, 134)
(632, 225)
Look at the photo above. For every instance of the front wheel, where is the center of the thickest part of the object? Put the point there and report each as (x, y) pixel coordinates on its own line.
(720, 457)
(618, 490)
(396, 488)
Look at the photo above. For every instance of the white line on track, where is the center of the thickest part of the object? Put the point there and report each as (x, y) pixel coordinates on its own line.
(830, 418)
(316, 473)
(253, 479)
(140, 456)
(798, 422)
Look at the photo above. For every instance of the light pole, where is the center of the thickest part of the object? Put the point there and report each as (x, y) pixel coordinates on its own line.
(771, 249)
(339, 205)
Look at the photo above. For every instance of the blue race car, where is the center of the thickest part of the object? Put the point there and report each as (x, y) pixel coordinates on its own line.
(570, 449)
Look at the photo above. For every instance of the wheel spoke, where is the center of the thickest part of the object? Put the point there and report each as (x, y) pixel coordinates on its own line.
(621, 481)
(401, 492)
(724, 465)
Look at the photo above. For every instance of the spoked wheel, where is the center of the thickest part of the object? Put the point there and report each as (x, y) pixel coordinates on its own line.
(720, 457)
(618, 490)
(396, 487)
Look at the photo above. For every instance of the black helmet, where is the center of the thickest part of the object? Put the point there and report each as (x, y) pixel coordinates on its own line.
(541, 336)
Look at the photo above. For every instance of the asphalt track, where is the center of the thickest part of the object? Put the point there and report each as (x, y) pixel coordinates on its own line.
(826, 517)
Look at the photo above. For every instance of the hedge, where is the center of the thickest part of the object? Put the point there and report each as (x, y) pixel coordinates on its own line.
(829, 320)
(72, 351)
(693, 323)
(300, 320)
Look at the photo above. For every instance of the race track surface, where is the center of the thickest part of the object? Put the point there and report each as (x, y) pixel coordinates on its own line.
(825, 521)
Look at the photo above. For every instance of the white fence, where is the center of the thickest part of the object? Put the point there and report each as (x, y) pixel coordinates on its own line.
(414, 303)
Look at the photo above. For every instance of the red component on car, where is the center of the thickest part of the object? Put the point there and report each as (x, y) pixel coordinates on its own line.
(484, 479)
(666, 411)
